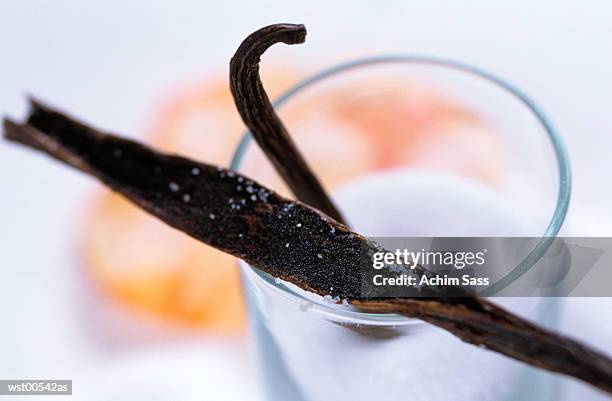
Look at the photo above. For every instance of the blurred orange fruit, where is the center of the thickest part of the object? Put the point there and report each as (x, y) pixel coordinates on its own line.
(342, 133)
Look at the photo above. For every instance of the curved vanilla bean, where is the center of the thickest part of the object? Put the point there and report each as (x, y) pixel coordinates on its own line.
(263, 122)
(286, 239)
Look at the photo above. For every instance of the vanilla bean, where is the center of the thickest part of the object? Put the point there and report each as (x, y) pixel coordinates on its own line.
(286, 239)
(266, 127)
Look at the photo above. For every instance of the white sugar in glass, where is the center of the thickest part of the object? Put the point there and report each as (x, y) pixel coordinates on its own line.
(454, 153)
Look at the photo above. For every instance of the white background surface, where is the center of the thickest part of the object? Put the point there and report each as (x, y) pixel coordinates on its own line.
(110, 60)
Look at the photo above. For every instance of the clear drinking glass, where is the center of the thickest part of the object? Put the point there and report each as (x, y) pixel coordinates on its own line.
(477, 157)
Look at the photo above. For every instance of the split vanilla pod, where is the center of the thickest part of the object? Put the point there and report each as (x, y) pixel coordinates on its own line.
(241, 217)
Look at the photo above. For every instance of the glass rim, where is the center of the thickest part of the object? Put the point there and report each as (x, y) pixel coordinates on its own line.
(328, 309)
(561, 158)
